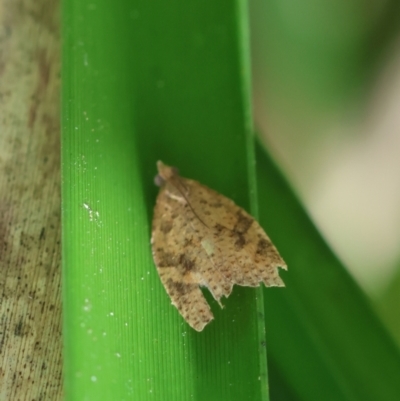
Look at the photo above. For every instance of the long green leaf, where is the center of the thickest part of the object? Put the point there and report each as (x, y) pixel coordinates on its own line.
(325, 342)
(144, 81)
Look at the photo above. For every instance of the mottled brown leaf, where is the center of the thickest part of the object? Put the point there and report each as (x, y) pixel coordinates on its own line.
(201, 238)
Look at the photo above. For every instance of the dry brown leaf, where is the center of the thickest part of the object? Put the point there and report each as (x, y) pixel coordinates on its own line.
(201, 238)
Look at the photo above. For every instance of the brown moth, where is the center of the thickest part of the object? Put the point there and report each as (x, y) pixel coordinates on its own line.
(202, 238)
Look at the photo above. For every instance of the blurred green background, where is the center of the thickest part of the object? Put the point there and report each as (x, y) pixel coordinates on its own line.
(326, 88)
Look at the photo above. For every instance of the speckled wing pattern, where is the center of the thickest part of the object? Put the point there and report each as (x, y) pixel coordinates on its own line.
(201, 238)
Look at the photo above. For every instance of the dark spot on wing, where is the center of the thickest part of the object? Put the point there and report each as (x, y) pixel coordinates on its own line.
(166, 226)
(243, 223)
(240, 242)
(165, 259)
(186, 263)
(179, 288)
(263, 247)
(218, 228)
(188, 241)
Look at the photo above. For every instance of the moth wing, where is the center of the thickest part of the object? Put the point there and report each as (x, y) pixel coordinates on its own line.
(176, 247)
(201, 238)
(239, 247)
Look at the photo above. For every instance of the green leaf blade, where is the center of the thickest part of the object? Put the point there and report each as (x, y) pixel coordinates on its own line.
(325, 339)
(143, 82)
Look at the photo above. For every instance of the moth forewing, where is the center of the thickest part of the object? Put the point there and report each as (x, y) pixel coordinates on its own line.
(202, 238)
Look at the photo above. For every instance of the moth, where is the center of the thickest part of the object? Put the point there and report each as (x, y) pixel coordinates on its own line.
(200, 238)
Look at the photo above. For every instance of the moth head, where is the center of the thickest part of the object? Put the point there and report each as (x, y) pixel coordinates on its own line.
(165, 173)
